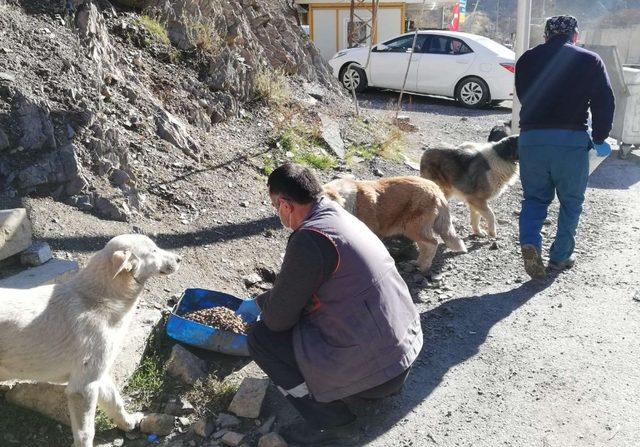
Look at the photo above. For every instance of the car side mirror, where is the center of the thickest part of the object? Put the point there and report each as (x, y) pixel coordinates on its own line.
(382, 47)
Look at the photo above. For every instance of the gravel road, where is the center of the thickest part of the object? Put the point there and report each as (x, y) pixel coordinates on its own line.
(515, 363)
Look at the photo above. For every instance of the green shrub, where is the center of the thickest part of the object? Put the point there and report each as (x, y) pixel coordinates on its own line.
(157, 30)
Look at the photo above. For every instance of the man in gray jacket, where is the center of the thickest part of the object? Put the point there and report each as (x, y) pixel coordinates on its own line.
(339, 320)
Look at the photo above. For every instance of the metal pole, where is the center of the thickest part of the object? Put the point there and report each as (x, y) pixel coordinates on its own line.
(523, 26)
(497, 18)
(351, 26)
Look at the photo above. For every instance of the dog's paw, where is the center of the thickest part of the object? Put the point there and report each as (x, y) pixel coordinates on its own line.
(480, 233)
(132, 421)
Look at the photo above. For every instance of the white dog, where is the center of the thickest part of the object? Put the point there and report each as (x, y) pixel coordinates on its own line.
(71, 332)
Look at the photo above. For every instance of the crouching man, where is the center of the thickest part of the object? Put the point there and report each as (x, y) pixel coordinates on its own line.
(339, 320)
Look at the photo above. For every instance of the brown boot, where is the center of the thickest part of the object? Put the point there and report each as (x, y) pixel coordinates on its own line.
(533, 262)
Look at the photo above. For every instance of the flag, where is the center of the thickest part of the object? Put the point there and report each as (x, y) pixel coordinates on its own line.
(462, 10)
(455, 22)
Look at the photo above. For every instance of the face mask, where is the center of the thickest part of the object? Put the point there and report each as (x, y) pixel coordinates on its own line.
(286, 225)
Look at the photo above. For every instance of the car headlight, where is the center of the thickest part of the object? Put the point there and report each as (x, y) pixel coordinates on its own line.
(339, 54)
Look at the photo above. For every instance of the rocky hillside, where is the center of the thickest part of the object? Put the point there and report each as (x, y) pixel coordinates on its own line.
(101, 104)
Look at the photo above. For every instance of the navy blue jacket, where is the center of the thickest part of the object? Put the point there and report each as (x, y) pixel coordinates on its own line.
(557, 82)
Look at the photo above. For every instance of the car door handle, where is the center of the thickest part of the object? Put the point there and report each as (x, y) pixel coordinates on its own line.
(461, 62)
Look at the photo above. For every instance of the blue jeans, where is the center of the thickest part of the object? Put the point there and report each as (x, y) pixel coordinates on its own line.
(553, 161)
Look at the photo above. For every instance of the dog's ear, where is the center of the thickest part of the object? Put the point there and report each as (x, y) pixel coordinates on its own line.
(123, 261)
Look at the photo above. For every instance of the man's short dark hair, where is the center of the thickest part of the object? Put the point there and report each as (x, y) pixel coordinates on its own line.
(294, 182)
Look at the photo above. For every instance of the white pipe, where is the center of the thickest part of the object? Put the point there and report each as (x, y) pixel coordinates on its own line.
(523, 27)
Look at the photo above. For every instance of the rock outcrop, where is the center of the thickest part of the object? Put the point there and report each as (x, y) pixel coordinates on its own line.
(91, 98)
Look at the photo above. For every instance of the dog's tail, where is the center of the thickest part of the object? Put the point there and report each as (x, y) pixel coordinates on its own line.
(444, 228)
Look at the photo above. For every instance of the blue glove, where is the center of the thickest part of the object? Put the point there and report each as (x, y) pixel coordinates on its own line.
(602, 149)
(248, 310)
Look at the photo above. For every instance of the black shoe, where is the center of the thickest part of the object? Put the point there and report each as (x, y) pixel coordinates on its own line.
(304, 435)
(562, 265)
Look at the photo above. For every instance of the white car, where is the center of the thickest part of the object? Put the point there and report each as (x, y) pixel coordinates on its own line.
(474, 70)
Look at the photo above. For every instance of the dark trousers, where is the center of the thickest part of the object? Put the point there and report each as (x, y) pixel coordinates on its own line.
(273, 352)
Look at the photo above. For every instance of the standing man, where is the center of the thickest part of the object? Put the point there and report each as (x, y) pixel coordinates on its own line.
(339, 320)
(557, 83)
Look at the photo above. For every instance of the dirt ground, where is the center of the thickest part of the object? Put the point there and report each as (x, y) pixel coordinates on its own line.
(505, 361)
(514, 363)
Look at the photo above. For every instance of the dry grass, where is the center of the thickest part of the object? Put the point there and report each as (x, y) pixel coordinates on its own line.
(211, 395)
(385, 140)
(270, 86)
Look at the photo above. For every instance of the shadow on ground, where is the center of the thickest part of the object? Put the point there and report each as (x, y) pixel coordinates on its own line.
(173, 240)
(387, 100)
(615, 173)
(453, 333)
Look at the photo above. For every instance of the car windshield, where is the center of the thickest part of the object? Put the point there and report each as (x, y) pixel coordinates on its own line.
(494, 47)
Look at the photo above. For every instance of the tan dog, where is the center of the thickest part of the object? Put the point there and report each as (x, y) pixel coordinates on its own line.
(71, 332)
(408, 206)
(474, 172)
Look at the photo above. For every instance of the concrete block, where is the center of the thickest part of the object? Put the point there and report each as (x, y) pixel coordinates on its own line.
(248, 400)
(50, 272)
(251, 369)
(37, 254)
(15, 232)
(45, 398)
(186, 366)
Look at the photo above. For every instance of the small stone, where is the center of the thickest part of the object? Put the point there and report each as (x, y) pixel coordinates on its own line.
(267, 426)
(219, 434)
(494, 246)
(118, 442)
(547, 222)
(183, 364)
(7, 77)
(204, 428)
(185, 422)
(119, 177)
(244, 204)
(157, 424)
(272, 440)
(225, 420)
(417, 277)
(37, 254)
(248, 400)
(251, 279)
(378, 172)
(132, 435)
(232, 439)
(636, 296)
(179, 407)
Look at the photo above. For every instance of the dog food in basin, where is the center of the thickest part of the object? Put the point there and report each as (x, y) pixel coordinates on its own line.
(202, 302)
(219, 318)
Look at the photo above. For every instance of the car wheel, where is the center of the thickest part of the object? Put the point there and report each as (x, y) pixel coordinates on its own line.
(472, 93)
(353, 78)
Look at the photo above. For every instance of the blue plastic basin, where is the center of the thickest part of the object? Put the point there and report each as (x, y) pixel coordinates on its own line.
(203, 336)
